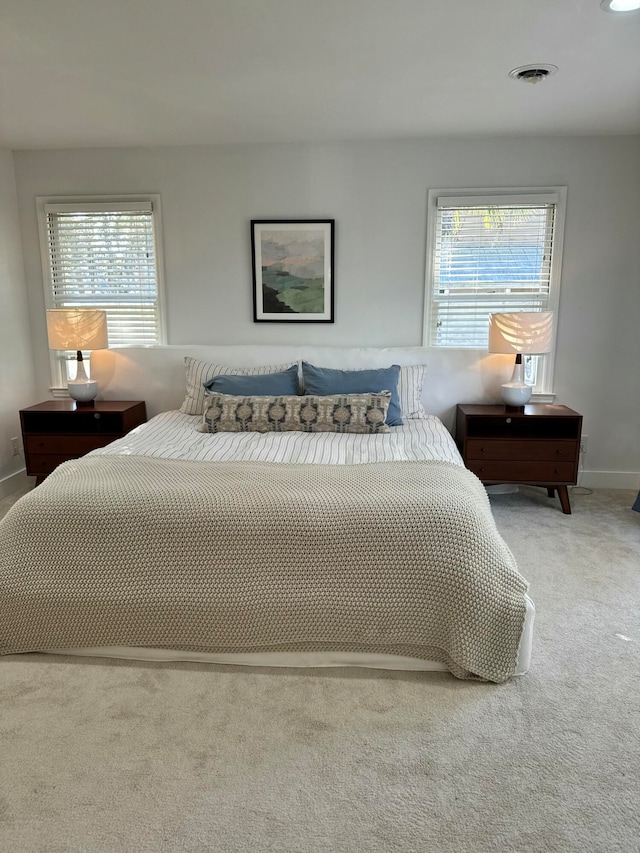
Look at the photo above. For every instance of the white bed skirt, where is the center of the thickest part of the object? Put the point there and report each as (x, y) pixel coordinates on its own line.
(298, 659)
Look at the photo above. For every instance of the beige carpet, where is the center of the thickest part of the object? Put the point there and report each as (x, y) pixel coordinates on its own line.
(109, 756)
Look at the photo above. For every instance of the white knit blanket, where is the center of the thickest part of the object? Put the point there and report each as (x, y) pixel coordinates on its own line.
(395, 558)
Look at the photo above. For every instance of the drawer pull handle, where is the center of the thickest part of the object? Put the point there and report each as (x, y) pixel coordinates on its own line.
(557, 470)
(483, 450)
(508, 420)
(97, 416)
(559, 452)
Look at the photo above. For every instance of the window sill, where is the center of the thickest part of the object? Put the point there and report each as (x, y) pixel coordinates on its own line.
(59, 393)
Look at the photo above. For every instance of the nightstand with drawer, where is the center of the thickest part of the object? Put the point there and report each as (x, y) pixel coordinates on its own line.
(58, 430)
(536, 446)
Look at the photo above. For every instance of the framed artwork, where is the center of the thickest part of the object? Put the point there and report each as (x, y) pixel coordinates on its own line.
(292, 270)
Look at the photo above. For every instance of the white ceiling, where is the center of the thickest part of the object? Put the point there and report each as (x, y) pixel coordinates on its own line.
(78, 73)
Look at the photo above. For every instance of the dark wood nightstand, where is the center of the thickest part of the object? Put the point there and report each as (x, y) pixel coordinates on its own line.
(58, 430)
(537, 446)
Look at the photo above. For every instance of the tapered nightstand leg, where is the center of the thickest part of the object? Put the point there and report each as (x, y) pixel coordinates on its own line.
(551, 491)
(563, 494)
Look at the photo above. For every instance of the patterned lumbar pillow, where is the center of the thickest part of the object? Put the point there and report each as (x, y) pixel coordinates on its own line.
(361, 413)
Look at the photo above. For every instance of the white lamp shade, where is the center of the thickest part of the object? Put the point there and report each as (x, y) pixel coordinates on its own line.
(77, 329)
(528, 332)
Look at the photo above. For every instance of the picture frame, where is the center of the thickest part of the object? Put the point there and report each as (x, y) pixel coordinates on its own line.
(293, 275)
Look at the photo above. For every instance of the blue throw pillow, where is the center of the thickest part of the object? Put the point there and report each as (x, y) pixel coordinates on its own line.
(265, 385)
(323, 381)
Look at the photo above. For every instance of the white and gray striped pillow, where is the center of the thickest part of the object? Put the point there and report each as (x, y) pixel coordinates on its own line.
(410, 390)
(198, 372)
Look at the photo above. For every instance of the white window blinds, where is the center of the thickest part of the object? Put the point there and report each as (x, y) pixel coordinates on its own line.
(489, 254)
(104, 255)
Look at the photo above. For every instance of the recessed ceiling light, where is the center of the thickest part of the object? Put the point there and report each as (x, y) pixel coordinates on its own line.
(533, 73)
(620, 5)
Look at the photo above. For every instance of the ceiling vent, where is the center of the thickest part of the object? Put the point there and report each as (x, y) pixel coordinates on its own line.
(533, 73)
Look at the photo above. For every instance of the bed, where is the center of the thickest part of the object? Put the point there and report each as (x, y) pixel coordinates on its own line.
(281, 549)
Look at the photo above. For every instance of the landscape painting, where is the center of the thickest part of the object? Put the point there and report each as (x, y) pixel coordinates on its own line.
(292, 270)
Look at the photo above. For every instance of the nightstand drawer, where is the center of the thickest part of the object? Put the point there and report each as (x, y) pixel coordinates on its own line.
(41, 464)
(523, 472)
(487, 449)
(66, 444)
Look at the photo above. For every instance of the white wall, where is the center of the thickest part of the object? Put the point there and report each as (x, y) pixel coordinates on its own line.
(17, 384)
(377, 192)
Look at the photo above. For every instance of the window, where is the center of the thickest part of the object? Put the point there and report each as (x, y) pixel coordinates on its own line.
(492, 251)
(104, 254)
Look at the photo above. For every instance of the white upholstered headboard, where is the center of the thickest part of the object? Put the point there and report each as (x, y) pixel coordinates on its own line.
(156, 374)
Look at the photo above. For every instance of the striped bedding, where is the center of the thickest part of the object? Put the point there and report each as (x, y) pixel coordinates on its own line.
(173, 435)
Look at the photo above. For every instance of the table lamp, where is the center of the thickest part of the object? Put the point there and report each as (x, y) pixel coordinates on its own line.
(522, 333)
(78, 329)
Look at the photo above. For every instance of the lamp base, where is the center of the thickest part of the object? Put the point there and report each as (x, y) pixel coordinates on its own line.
(515, 394)
(83, 391)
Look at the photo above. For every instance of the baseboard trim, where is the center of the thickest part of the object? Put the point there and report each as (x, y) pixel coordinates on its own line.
(610, 479)
(11, 484)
